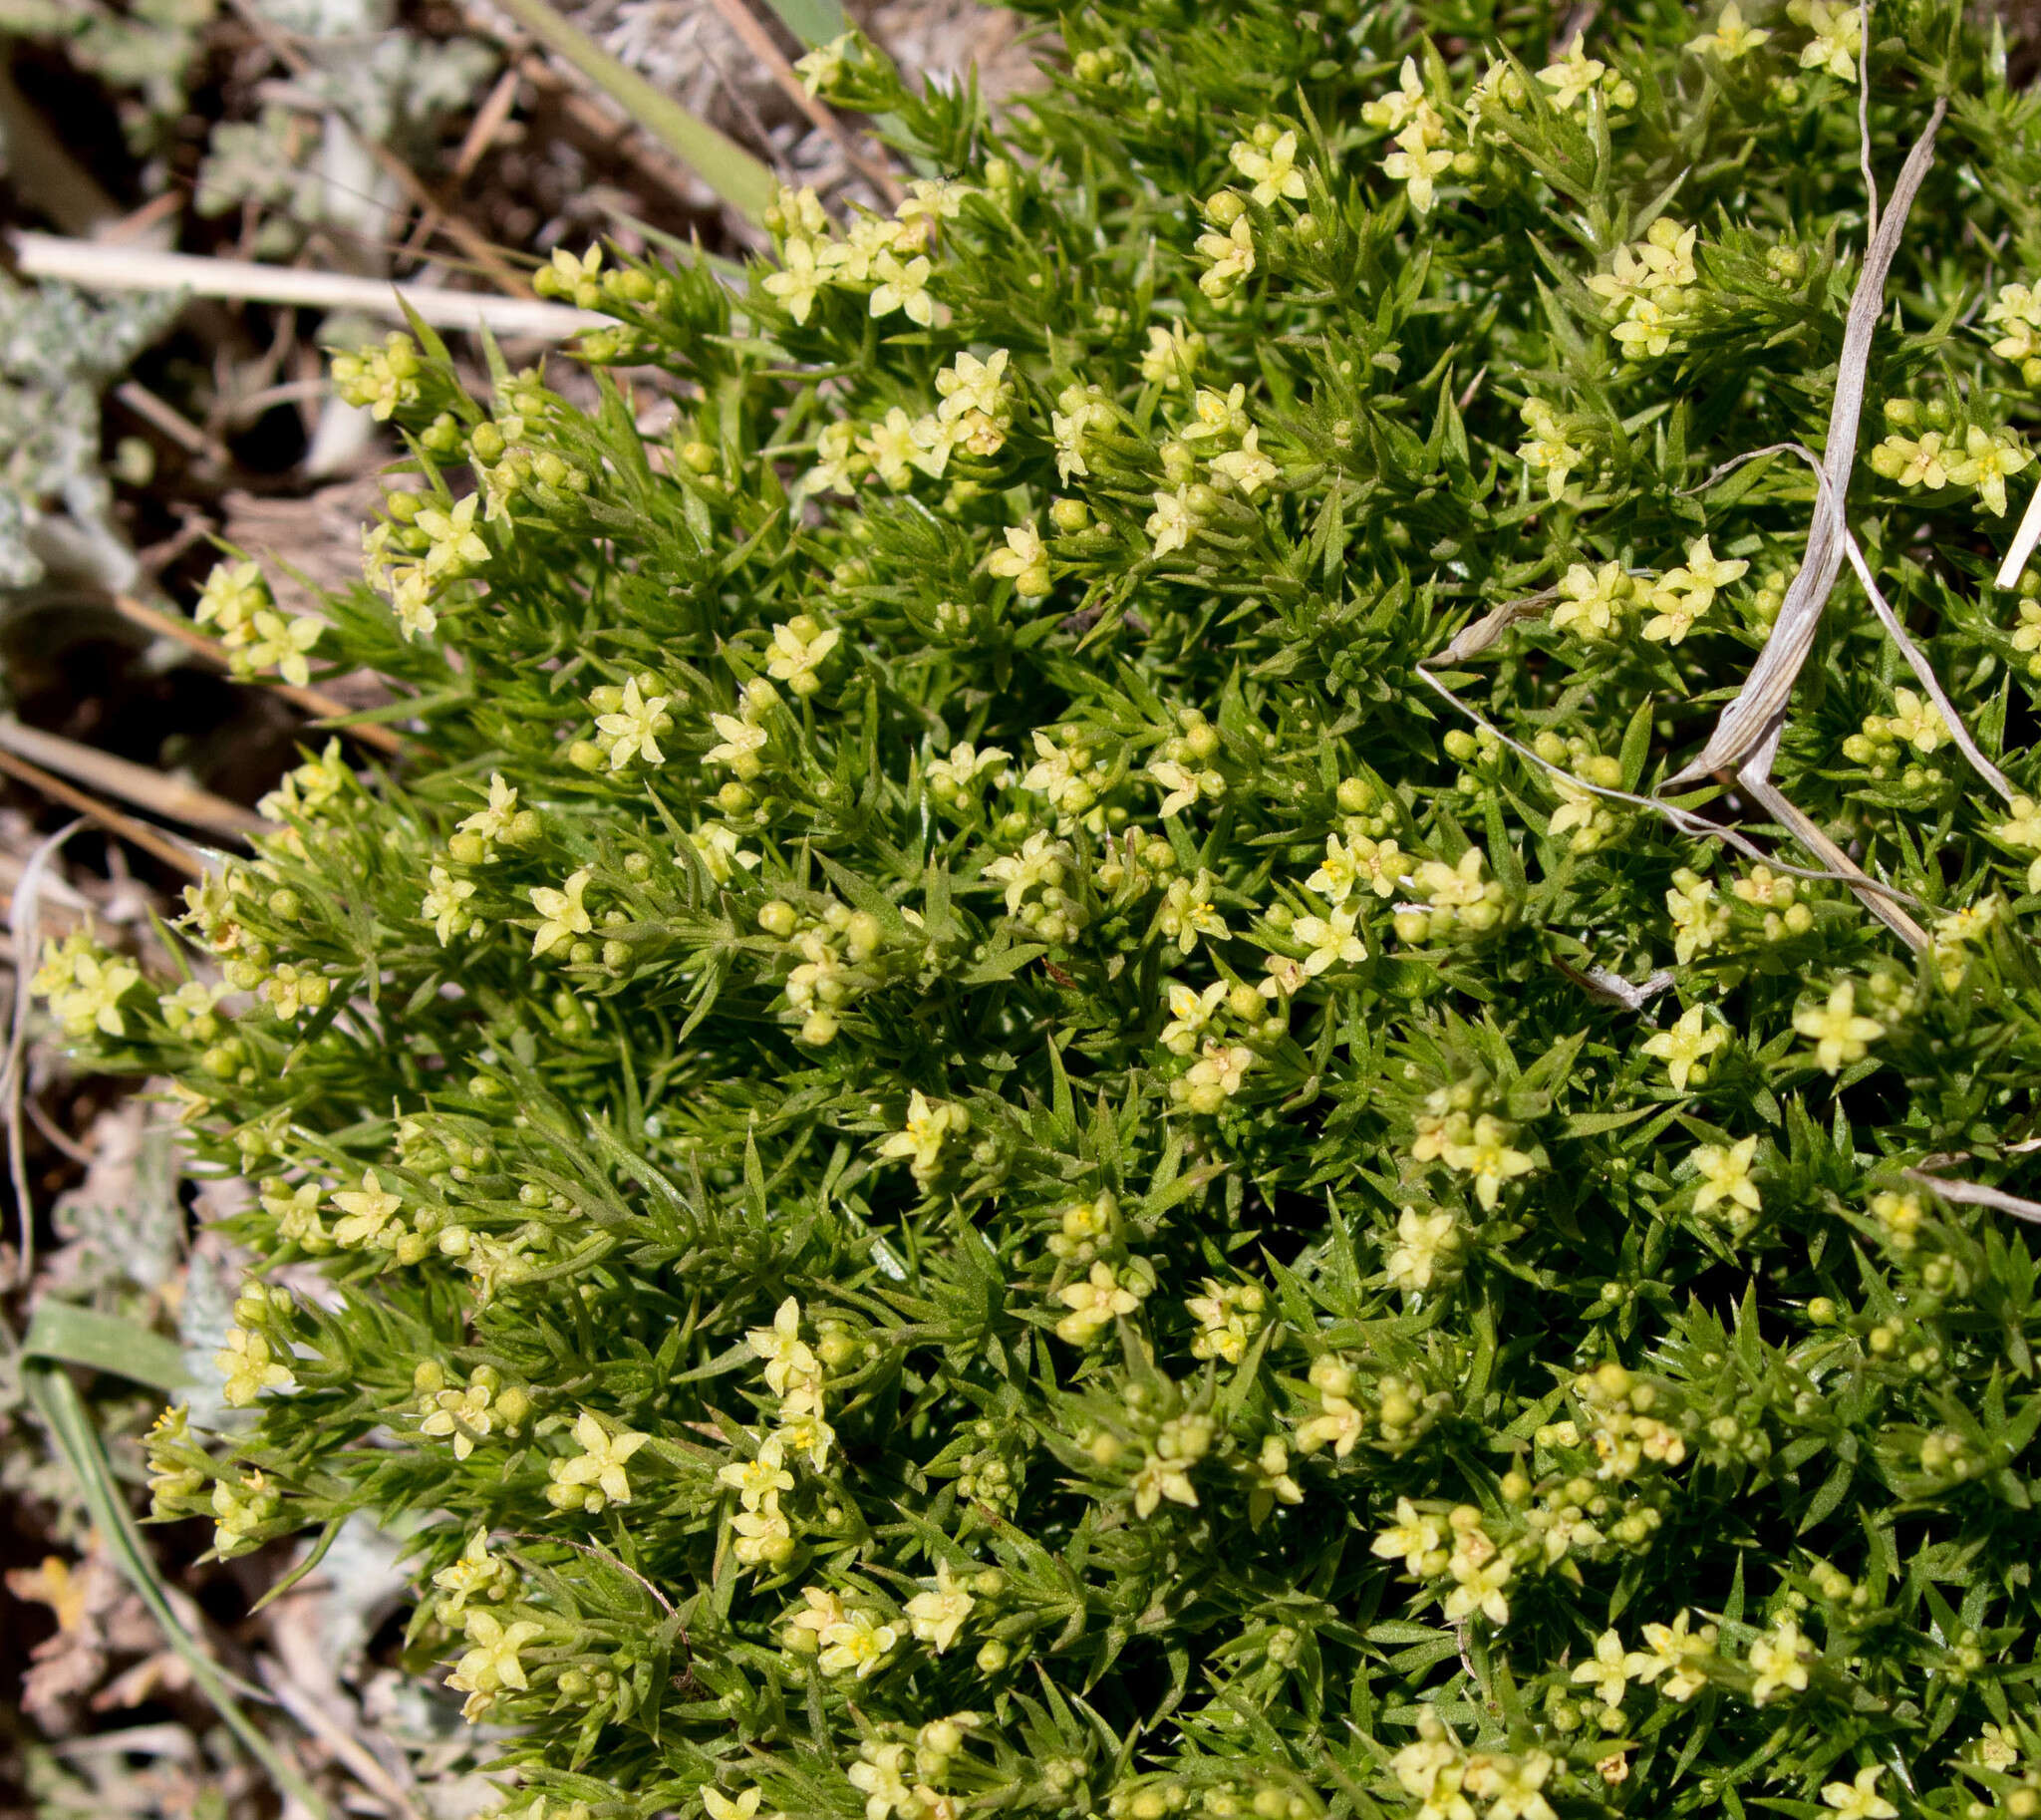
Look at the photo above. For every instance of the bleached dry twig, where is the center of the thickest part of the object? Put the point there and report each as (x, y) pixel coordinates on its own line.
(1752, 720)
(169, 797)
(133, 268)
(1978, 1195)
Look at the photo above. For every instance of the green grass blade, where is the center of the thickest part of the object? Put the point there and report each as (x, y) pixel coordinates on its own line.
(106, 1342)
(813, 22)
(725, 166)
(63, 1411)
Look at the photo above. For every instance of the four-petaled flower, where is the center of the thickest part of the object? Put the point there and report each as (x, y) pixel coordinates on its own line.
(1780, 1661)
(597, 1471)
(937, 1615)
(1840, 1033)
(368, 1210)
(1273, 171)
(1726, 1177)
(562, 912)
(248, 1369)
(1860, 1799)
(1686, 1048)
(633, 729)
(904, 287)
(492, 1660)
(1731, 38)
(1331, 941)
(1410, 1539)
(856, 1644)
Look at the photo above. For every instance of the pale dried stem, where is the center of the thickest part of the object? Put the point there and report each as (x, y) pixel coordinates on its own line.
(347, 1749)
(1759, 709)
(1977, 1194)
(758, 41)
(136, 833)
(1700, 826)
(315, 702)
(167, 798)
(133, 268)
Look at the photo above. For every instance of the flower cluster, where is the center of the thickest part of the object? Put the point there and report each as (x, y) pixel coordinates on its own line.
(1043, 1082)
(1649, 288)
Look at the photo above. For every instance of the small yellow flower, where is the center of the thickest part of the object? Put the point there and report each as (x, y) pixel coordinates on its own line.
(2016, 313)
(368, 1209)
(1187, 913)
(740, 743)
(1684, 1048)
(1592, 600)
(1271, 169)
(1479, 1588)
(1698, 922)
(1247, 468)
(444, 904)
(1678, 1654)
(1860, 1799)
(1572, 77)
(1990, 459)
(1840, 1034)
(1547, 450)
(1171, 526)
(1391, 113)
(1780, 1661)
(246, 1365)
(1331, 941)
(937, 1615)
(456, 546)
(856, 1644)
(787, 1355)
(1488, 1158)
(281, 645)
(1232, 257)
(477, 1573)
(1726, 1177)
(904, 287)
(760, 1480)
(596, 1475)
(718, 1806)
(929, 1125)
(797, 653)
(1093, 1302)
(799, 281)
(563, 914)
(1731, 38)
(632, 732)
(1418, 163)
(92, 999)
(492, 1662)
(1410, 1539)
(1608, 1671)
(1837, 39)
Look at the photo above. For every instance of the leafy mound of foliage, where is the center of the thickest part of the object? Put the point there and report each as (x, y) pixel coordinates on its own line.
(960, 1140)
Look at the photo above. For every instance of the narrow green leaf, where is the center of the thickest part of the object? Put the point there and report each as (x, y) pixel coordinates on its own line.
(63, 1411)
(106, 1342)
(813, 22)
(724, 166)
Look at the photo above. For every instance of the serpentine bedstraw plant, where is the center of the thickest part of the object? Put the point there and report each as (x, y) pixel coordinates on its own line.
(962, 1141)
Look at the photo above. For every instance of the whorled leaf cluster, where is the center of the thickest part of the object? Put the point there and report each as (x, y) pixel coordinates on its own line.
(965, 1150)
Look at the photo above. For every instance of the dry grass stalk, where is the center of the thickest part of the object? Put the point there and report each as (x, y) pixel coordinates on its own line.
(314, 702)
(758, 41)
(136, 833)
(163, 797)
(131, 269)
